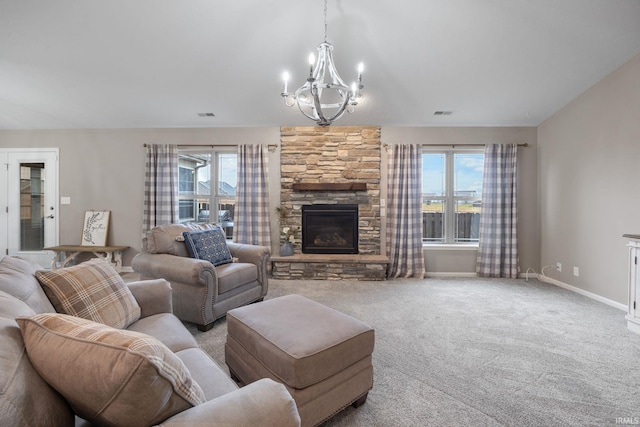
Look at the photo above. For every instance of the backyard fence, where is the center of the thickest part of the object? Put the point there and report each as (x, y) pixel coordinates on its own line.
(467, 226)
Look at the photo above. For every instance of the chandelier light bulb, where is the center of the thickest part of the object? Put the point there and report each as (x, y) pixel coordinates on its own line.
(285, 77)
(312, 60)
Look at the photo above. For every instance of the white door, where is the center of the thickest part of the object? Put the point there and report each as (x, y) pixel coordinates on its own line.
(31, 218)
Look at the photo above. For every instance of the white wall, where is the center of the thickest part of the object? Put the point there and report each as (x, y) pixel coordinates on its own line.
(588, 176)
(104, 169)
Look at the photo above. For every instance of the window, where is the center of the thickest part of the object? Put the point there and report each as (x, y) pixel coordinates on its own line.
(451, 196)
(207, 179)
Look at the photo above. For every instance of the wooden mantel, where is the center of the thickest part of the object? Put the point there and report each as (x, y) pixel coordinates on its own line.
(330, 186)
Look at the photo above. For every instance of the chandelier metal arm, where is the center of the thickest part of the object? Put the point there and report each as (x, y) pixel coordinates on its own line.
(318, 106)
(321, 120)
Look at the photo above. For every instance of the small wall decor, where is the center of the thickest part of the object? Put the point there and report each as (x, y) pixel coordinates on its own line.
(95, 228)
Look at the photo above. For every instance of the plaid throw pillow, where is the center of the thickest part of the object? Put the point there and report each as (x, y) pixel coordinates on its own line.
(109, 376)
(92, 290)
(209, 245)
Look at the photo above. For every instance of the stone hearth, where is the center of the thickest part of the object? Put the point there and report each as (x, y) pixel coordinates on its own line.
(332, 165)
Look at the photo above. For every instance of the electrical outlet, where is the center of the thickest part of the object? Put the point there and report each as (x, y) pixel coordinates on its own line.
(559, 267)
(576, 271)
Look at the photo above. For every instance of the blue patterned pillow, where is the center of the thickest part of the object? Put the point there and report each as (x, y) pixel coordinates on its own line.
(209, 245)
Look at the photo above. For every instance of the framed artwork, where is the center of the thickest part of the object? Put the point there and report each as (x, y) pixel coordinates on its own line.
(95, 228)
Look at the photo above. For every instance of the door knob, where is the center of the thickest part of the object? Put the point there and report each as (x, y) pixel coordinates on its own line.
(50, 216)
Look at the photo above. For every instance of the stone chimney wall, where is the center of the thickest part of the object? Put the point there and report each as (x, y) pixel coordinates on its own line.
(330, 155)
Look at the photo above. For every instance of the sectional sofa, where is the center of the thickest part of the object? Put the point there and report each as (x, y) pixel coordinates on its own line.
(60, 370)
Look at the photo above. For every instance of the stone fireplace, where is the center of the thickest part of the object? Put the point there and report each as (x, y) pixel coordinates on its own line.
(329, 167)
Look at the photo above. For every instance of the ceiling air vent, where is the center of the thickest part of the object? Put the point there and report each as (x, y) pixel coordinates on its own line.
(442, 113)
(206, 115)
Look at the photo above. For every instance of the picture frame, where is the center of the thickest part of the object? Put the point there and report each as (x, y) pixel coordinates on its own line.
(95, 228)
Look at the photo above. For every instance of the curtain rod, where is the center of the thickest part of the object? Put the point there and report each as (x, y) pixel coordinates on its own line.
(212, 146)
(526, 144)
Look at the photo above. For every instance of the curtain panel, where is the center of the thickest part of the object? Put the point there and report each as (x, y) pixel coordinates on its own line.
(404, 212)
(160, 186)
(251, 224)
(498, 240)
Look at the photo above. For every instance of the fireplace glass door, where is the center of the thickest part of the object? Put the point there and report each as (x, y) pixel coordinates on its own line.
(330, 229)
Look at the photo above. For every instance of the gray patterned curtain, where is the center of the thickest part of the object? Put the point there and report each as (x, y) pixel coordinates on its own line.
(498, 243)
(404, 212)
(251, 223)
(160, 186)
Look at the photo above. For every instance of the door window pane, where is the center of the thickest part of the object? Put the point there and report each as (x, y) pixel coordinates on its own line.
(32, 178)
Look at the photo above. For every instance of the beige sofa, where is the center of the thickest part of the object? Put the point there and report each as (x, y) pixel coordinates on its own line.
(202, 293)
(27, 399)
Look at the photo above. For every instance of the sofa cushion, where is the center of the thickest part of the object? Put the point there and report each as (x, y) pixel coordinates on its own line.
(109, 376)
(167, 329)
(17, 278)
(25, 398)
(231, 276)
(207, 373)
(167, 238)
(209, 245)
(92, 290)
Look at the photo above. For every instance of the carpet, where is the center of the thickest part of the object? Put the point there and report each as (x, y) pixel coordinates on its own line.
(480, 352)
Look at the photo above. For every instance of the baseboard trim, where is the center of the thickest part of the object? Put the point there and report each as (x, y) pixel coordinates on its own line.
(127, 269)
(461, 274)
(577, 290)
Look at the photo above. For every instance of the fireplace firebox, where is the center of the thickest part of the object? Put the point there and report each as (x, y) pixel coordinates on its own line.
(330, 229)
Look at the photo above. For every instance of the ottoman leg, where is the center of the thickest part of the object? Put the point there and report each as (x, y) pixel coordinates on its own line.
(360, 401)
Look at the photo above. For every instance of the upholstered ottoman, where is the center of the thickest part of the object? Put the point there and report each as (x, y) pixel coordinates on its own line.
(321, 355)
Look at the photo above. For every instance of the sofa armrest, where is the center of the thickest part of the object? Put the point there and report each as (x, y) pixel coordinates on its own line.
(254, 254)
(174, 268)
(153, 296)
(262, 403)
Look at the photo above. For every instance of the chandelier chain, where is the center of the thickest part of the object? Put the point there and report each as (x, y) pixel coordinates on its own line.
(325, 20)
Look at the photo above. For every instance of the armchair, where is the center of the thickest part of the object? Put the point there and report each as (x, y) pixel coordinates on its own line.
(202, 292)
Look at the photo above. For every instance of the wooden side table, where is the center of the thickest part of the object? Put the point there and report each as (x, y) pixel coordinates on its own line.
(111, 254)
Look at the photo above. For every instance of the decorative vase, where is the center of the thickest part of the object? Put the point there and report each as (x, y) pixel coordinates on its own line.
(286, 249)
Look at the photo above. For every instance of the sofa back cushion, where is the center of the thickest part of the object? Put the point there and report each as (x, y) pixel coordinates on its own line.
(92, 290)
(109, 376)
(167, 238)
(17, 278)
(25, 397)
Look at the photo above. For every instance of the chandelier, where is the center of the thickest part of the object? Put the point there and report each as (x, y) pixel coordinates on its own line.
(324, 97)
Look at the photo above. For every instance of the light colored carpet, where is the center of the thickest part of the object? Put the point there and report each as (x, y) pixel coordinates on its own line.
(480, 352)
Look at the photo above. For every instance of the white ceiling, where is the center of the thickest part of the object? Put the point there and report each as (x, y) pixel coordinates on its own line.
(158, 63)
